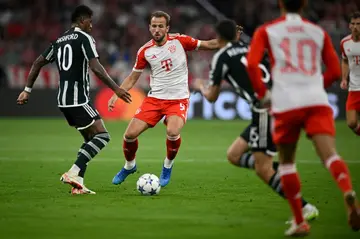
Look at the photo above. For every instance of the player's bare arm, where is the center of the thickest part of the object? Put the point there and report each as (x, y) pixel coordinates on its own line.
(345, 73)
(210, 92)
(100, 72)
(127, 84)
(214, 44)
(209, 45)
(34, 73)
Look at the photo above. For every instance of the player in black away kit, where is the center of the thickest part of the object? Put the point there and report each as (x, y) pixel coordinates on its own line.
(74, 52)
(254, 148)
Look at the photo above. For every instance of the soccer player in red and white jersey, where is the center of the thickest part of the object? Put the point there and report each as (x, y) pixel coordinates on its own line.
(350, 64)
(169, 93)
(298, 100)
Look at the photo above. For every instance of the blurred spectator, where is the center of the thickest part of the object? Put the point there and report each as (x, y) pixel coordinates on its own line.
(121, 26)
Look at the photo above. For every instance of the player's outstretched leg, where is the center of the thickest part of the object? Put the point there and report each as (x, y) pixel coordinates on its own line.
(263, 168)
(292, 189)
(173, 142)
(172, 147)
(96, 138)
(266, 169)
(130, 146)
(325, 147)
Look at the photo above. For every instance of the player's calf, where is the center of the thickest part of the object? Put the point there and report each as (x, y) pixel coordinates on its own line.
(88, 151)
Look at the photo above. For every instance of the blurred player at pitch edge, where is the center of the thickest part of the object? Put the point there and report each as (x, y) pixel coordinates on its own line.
(254, 148)
(350, 64)
(74, 51)
(298, 100)
(169, 94)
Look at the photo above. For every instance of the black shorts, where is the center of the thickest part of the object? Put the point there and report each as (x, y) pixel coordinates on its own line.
(258, 134)
(80, 117)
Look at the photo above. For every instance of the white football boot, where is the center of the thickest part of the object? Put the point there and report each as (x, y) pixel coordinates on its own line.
(72, 179)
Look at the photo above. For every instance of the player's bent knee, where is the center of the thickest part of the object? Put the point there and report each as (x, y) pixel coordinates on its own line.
(131, 134)
(172, 132)
(232, 158)
(352, 124)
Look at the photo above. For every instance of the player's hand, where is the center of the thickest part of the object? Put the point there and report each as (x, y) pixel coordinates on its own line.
(123, 94)
(344, 84)
(23, 98)
(239, 31)
(198, 85)
(111, 102)
(266, 100)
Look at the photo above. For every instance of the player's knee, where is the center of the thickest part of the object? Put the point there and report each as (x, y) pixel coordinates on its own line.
(232, 158)
(352, 124)
(131, 134)
(172, 131)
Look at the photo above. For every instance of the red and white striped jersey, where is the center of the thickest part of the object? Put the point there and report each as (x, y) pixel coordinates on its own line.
(296, 48)
(168, 63)
(350, 50)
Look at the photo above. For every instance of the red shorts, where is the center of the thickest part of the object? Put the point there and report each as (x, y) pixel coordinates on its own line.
(353, 101)
(315, 120)
(152, 110)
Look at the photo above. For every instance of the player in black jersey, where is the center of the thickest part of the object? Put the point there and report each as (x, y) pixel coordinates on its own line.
(74, 51)
(254, 148)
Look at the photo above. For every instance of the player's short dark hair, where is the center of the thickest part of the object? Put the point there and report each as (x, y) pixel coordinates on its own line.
(81, 11)
(161, 14)
(355, 15)
(226, 29)
(293, 5)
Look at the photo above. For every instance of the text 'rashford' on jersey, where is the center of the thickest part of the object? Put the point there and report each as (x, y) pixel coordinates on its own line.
(229, 64)
(350, 50)
(72, 52)
(296, 49)
(168, 64)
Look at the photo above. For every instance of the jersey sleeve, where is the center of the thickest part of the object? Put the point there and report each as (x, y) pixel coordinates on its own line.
(49, 54)
(189, 43)
(218, 69)
(140, 62)
(331, 61)
(256, 53)
(88, 47)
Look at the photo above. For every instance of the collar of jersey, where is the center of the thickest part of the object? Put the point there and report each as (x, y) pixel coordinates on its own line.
(292, 16)
(167, 38)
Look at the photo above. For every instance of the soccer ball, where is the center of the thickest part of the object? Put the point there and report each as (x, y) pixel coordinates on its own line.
(148, 184)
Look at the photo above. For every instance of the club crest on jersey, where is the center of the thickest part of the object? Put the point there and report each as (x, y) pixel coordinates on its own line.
(172, 48)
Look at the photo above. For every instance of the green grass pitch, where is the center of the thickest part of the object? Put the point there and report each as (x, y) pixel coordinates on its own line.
(206, 198)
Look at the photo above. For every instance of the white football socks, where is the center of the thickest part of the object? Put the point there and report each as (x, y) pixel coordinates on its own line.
(129, 164)
(74, 170)
(168, 163)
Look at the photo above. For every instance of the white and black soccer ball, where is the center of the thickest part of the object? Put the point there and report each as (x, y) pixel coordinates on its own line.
(148, 184)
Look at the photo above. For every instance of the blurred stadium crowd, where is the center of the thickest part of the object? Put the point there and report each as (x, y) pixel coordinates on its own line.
(120, 27)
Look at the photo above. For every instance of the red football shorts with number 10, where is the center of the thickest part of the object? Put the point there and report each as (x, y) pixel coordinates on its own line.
(152, 110)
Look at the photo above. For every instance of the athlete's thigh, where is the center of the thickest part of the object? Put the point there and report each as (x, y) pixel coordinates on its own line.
(286, 126)
(80, 117)
(319, 120)
(353, 101)
(238, 147)
(150, 111)
(260, 138)
(175, 108)
(135, 128)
